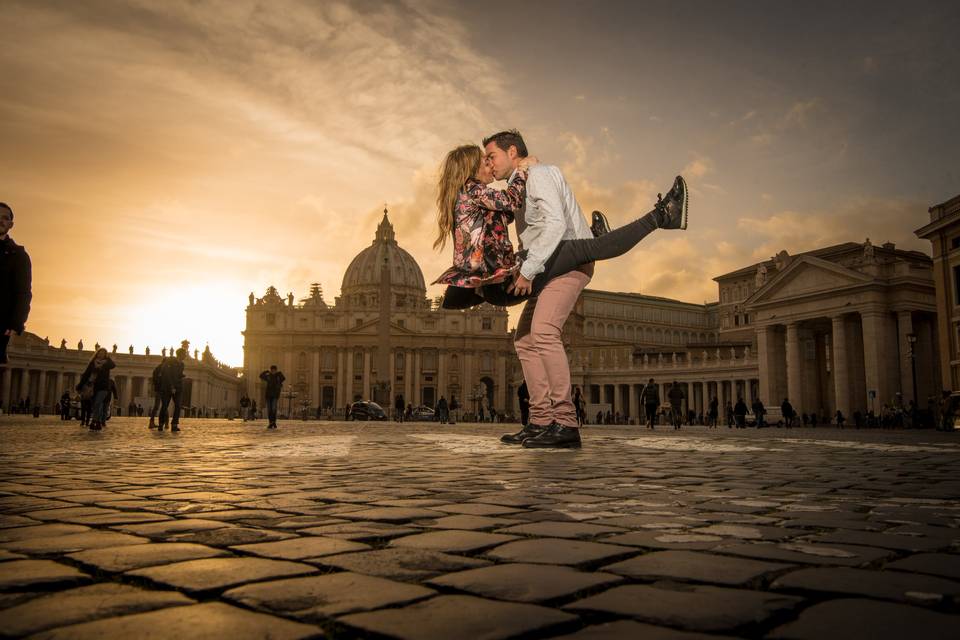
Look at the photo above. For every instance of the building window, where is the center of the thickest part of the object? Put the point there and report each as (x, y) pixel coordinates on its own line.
(400, 361)
(271, 319)
(358, 361)
(302, 360)
(955, 242)
(486, 324)
(956, 285)
(328, 360)
(429, 362)
(402, 324)
(358, 322)
(486, 362)
(329, 323)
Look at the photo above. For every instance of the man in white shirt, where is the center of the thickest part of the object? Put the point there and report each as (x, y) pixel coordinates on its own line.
(551, 214)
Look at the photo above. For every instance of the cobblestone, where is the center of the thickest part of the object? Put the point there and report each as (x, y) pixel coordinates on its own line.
(344, 530)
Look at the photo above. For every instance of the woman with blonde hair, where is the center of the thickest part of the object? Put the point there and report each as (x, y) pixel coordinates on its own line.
(477, 217)
(95, 385)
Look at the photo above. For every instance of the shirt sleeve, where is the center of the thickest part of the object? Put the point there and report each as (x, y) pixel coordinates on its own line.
(543, 191)
(509, 200)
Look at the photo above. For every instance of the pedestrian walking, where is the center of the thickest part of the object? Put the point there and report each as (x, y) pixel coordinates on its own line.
(95, 386)
(713, 414)
(155, 384)
(728, 414)
(523, 397)
(759, 411)
(676, 396)
(15, 283)
(650, 398)
(578, 403)
(65, 406)
(454, 409)
(399, 404)
(274, 379)
(740, 414)
(171, 388)
(443, 411)
(840, 419)
(788, 413)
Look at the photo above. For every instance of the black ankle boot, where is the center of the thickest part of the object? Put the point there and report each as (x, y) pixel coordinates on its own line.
(556, 436)
(672, 210)
(599, 225)
(529, 431)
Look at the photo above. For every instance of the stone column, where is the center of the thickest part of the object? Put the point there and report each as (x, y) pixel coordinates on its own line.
(41, 390)
(634, 402)
(874, 373)
(366, 374)
(904, 328)
(7, 380)
(408, 376)
(25, 386)
(348, 387)
(794, 367)
(841, 366)
(59, 384)
(442, 374)
(126, 394)
(340, 394)
(315, 380)
(748, 393)
(501, 364)
(766, 364)
(417, 368)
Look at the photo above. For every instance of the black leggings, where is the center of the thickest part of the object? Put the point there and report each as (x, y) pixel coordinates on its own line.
(568, 255)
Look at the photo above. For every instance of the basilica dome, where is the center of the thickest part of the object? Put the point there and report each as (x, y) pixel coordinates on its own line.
(363, 274)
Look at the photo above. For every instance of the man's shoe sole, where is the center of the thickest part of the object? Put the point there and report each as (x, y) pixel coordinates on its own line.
(685, 204)
(562, 445)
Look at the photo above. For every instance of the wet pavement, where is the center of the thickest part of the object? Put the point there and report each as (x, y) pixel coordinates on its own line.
(357, 530)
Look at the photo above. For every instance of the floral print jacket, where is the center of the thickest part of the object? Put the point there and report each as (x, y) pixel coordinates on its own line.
(482, 251)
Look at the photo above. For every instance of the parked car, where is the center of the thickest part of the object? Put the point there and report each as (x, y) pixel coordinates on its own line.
(423, 413)
(365, 410)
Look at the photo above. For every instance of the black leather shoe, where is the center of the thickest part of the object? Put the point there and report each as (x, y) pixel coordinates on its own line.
(672, 210)
(599, 225)
(556, 436)
(529, 431)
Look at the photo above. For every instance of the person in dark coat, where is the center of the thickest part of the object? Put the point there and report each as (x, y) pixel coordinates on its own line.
(65, 406)
(650, 398)
(454, 406)
(95, 384)
(171, 388)
(155, 383)
(274, 379)
(713, 414)
(740, 413)
(788, 413)
(15, 283)
(759, 411)
(523, 396)
(676, 396)
(399, 404)
(443, 411)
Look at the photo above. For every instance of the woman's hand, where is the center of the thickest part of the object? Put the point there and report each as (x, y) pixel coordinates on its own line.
(529, 161)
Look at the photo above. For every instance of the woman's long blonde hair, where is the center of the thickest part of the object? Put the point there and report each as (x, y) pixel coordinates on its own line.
(460, 165)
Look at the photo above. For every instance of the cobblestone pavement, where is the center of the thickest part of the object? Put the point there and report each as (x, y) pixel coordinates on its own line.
(350, 530)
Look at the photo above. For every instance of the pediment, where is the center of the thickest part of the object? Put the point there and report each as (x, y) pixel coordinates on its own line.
(805, 276)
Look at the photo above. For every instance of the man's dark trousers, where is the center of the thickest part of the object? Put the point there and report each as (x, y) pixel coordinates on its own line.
(272, 410)
(166, 394)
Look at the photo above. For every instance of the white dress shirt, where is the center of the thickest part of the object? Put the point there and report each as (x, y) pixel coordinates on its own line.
(550, 214)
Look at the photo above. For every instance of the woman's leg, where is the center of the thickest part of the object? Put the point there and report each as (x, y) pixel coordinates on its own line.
(571, 254)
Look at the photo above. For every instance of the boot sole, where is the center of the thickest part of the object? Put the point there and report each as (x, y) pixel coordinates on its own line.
(565, 445)
(685, 204)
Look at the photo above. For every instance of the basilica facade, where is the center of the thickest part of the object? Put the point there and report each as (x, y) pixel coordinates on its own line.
(851, 327)
(381, 337)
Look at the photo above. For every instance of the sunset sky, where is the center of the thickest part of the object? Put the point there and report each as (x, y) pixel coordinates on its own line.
(166, 158)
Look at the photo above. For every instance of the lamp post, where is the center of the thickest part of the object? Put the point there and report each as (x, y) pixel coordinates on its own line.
(290, 395)
(912, 341)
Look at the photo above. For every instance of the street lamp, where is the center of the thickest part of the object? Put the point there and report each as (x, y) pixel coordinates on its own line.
(911, 342)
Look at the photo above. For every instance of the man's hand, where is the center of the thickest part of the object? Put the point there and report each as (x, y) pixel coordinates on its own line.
(520, 286)
(528, 162)
(9, 332)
